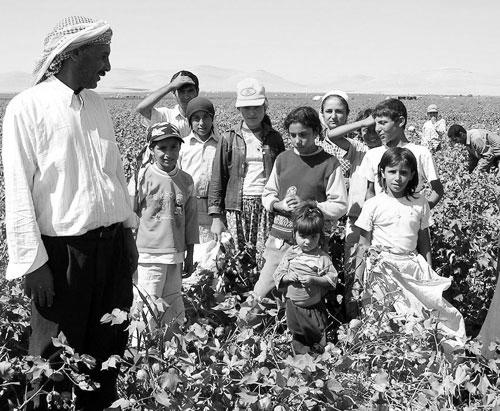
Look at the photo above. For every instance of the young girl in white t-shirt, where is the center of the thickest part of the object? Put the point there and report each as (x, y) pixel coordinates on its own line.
(396, 222)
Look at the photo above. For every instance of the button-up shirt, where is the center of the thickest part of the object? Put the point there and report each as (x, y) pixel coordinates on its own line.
(172, 115)
(63, 170)
(432, 133)
(483, 147)
(425, 165)
(196, 158)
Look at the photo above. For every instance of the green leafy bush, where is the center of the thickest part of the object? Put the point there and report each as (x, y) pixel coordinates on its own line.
(221, 361)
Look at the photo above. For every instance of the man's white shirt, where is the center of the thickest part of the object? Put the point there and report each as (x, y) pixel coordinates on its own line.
(63, 170)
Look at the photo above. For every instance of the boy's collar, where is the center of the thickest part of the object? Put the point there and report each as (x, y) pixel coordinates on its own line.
(467, 138)
(177, 111)
(401, 143)
(318, 149)
(170, 173)
(213, 136)
(238, 128)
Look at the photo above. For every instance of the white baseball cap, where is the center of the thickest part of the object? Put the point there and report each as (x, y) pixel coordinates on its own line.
(250, 92)
(432, 108)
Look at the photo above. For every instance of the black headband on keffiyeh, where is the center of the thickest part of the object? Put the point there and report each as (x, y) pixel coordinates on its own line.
(69, 34)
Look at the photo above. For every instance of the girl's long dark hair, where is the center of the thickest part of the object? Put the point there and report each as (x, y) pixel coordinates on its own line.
(393, 157)
(306, 116)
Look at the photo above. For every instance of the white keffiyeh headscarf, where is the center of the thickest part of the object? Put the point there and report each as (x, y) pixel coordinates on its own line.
(69, 34)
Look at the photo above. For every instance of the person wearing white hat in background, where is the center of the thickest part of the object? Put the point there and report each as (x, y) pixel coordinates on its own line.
(68, 214)
(433, 129)
(242, 165)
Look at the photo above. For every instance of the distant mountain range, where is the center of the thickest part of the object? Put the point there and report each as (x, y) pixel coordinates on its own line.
(214, 79)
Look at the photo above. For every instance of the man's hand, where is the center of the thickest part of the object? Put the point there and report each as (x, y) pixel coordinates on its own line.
(180, 81)
(188, 263)
(131, 249)
(39, 286)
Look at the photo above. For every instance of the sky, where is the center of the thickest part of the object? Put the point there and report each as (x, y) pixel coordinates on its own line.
(301, 40)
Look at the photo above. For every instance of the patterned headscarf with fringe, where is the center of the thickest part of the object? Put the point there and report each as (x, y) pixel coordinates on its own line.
(69, 34)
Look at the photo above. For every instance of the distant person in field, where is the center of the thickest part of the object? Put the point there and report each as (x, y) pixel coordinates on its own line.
(302, 175)
(355, 150)
(396, 222)
(390, 121)
(197, 156)
(334, 111)
(185, 86)
(168, 224)
(68, 214)
(482, 145)
(305, 273)
(433, 130)
(243, 162)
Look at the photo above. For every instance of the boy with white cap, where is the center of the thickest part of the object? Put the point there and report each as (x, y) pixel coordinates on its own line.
(433, 129)
(168, 226)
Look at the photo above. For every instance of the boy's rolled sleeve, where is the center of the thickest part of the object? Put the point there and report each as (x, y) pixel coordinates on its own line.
(282, 268)
(426, 220)
(331, 273)
(365, 219)
(335, 205)
(271, 190)
(191, 209)
(219, 179)
(365, 168)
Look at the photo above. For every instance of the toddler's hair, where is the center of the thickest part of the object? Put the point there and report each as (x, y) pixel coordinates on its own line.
(305, 115)
(362, 114)
(392, 108)
(308, 220)
(455, 130)
(188, 74)
(393, 157)
(342, 100)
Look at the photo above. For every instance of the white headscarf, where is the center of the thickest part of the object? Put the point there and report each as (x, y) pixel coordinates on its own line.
(69, 34)
(331, 93)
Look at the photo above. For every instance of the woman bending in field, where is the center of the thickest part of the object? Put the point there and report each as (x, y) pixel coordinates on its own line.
(396, 223)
